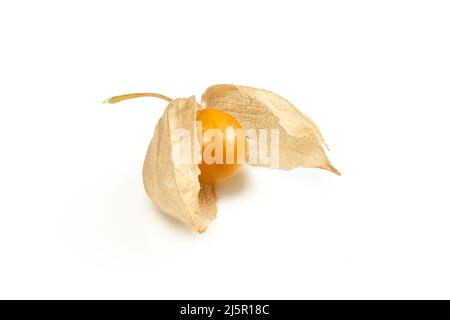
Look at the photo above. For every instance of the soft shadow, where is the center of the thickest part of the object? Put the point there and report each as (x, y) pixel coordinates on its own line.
(235, 186)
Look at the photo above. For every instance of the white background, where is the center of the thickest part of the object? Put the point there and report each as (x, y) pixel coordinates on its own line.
(75, 221)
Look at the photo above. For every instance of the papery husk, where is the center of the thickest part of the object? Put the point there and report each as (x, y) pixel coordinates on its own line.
(300, 140)
(173, 187)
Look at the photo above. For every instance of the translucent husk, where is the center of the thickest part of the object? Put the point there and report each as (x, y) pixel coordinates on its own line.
(174, 187)
(300, 140)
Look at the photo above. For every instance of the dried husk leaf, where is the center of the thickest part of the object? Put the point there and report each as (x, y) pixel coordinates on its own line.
(174, 187)
(300, 140)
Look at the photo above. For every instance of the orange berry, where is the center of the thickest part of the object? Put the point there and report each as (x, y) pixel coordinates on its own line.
(234, 137)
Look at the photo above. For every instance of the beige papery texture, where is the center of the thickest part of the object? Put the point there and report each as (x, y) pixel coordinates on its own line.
(173, 186)
(300, 140)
